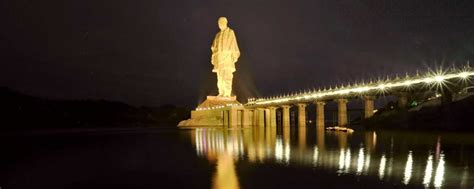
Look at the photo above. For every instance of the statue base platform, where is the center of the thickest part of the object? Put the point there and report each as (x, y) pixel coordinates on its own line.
(213, 101)
(212, 112)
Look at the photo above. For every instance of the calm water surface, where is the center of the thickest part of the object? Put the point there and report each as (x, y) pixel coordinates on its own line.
(240, 158)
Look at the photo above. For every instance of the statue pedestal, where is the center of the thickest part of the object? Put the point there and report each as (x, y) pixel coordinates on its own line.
(213, 101)
(222, 98)
(215, 111)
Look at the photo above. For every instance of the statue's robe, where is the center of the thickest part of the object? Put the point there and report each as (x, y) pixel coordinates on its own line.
(225, 51)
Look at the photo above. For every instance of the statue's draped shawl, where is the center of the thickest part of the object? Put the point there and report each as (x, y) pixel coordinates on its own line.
(225, 43)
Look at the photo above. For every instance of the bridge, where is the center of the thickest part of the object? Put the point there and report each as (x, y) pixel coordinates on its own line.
(444, 84)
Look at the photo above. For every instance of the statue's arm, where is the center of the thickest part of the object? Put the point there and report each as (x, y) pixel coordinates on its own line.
(214, 43)
(236, 51)
(213, 49)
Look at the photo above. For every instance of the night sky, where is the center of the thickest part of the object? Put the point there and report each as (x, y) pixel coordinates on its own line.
(154, 52)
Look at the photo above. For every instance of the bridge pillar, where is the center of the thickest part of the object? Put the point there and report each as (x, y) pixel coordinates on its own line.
(267, 117)
(260, 117)
(301, 114)
(368, 106)
(254, 117)
(342, 112)
(320, 113)
(233, 118)
(402, 100)
(245, 118)
(225, 118)
(302, 138)
(279, 117)
(286, 115)
(273, 116)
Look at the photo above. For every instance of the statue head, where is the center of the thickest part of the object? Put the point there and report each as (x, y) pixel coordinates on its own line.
(222, 22)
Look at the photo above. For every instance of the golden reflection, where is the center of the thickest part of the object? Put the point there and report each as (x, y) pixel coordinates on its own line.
(370, 141)
(279, 149)
(261, 144)
(360, 161)
(271, 140)
(367, 163)
(383, 160)
(302, 139)
(225, 176)
(287, 153)
(342, 138)
(320, 137)
(341, 160)
(347, 161)
(282, 151)
(315, 156)
(273, 135)
(344, 160)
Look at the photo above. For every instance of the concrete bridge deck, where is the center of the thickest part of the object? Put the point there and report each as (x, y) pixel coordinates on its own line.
(263, 111)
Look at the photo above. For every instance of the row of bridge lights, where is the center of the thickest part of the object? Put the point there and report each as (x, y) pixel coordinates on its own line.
(218, 107)
(438, 78)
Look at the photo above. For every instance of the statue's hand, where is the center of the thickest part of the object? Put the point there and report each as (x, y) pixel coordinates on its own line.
(213, 59)
(214, 68)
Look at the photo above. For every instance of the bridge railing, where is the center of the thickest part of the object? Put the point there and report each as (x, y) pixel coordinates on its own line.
(429, 80)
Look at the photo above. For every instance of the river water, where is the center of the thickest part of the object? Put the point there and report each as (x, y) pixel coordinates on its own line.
(240, 158)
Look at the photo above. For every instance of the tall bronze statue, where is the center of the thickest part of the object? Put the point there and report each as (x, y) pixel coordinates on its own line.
(225, 52)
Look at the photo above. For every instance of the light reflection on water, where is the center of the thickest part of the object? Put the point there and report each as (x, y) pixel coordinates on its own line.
(387, 156)
(428, 171)
(383, 160)
(408, 168)
(225, 176)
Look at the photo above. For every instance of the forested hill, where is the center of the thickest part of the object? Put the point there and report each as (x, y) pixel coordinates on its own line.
(20, 111)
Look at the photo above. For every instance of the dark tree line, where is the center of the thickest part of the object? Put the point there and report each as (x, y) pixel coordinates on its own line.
(20, 111)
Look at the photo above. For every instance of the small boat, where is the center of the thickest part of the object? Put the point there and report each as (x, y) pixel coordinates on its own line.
(342, 129)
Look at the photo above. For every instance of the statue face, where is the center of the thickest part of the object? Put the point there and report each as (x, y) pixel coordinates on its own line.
(222, 22)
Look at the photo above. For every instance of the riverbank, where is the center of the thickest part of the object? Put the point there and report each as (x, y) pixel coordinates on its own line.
(25, 112)
(454, 116)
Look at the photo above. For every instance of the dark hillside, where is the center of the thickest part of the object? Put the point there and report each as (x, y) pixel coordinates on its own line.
(20, 111)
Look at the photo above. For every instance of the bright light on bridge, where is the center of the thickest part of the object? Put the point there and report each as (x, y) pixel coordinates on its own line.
(432, 79)
(382, 86)
(439, 78)
(464, 75)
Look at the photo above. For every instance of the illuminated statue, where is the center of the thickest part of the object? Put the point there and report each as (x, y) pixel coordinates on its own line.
(225, 52)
